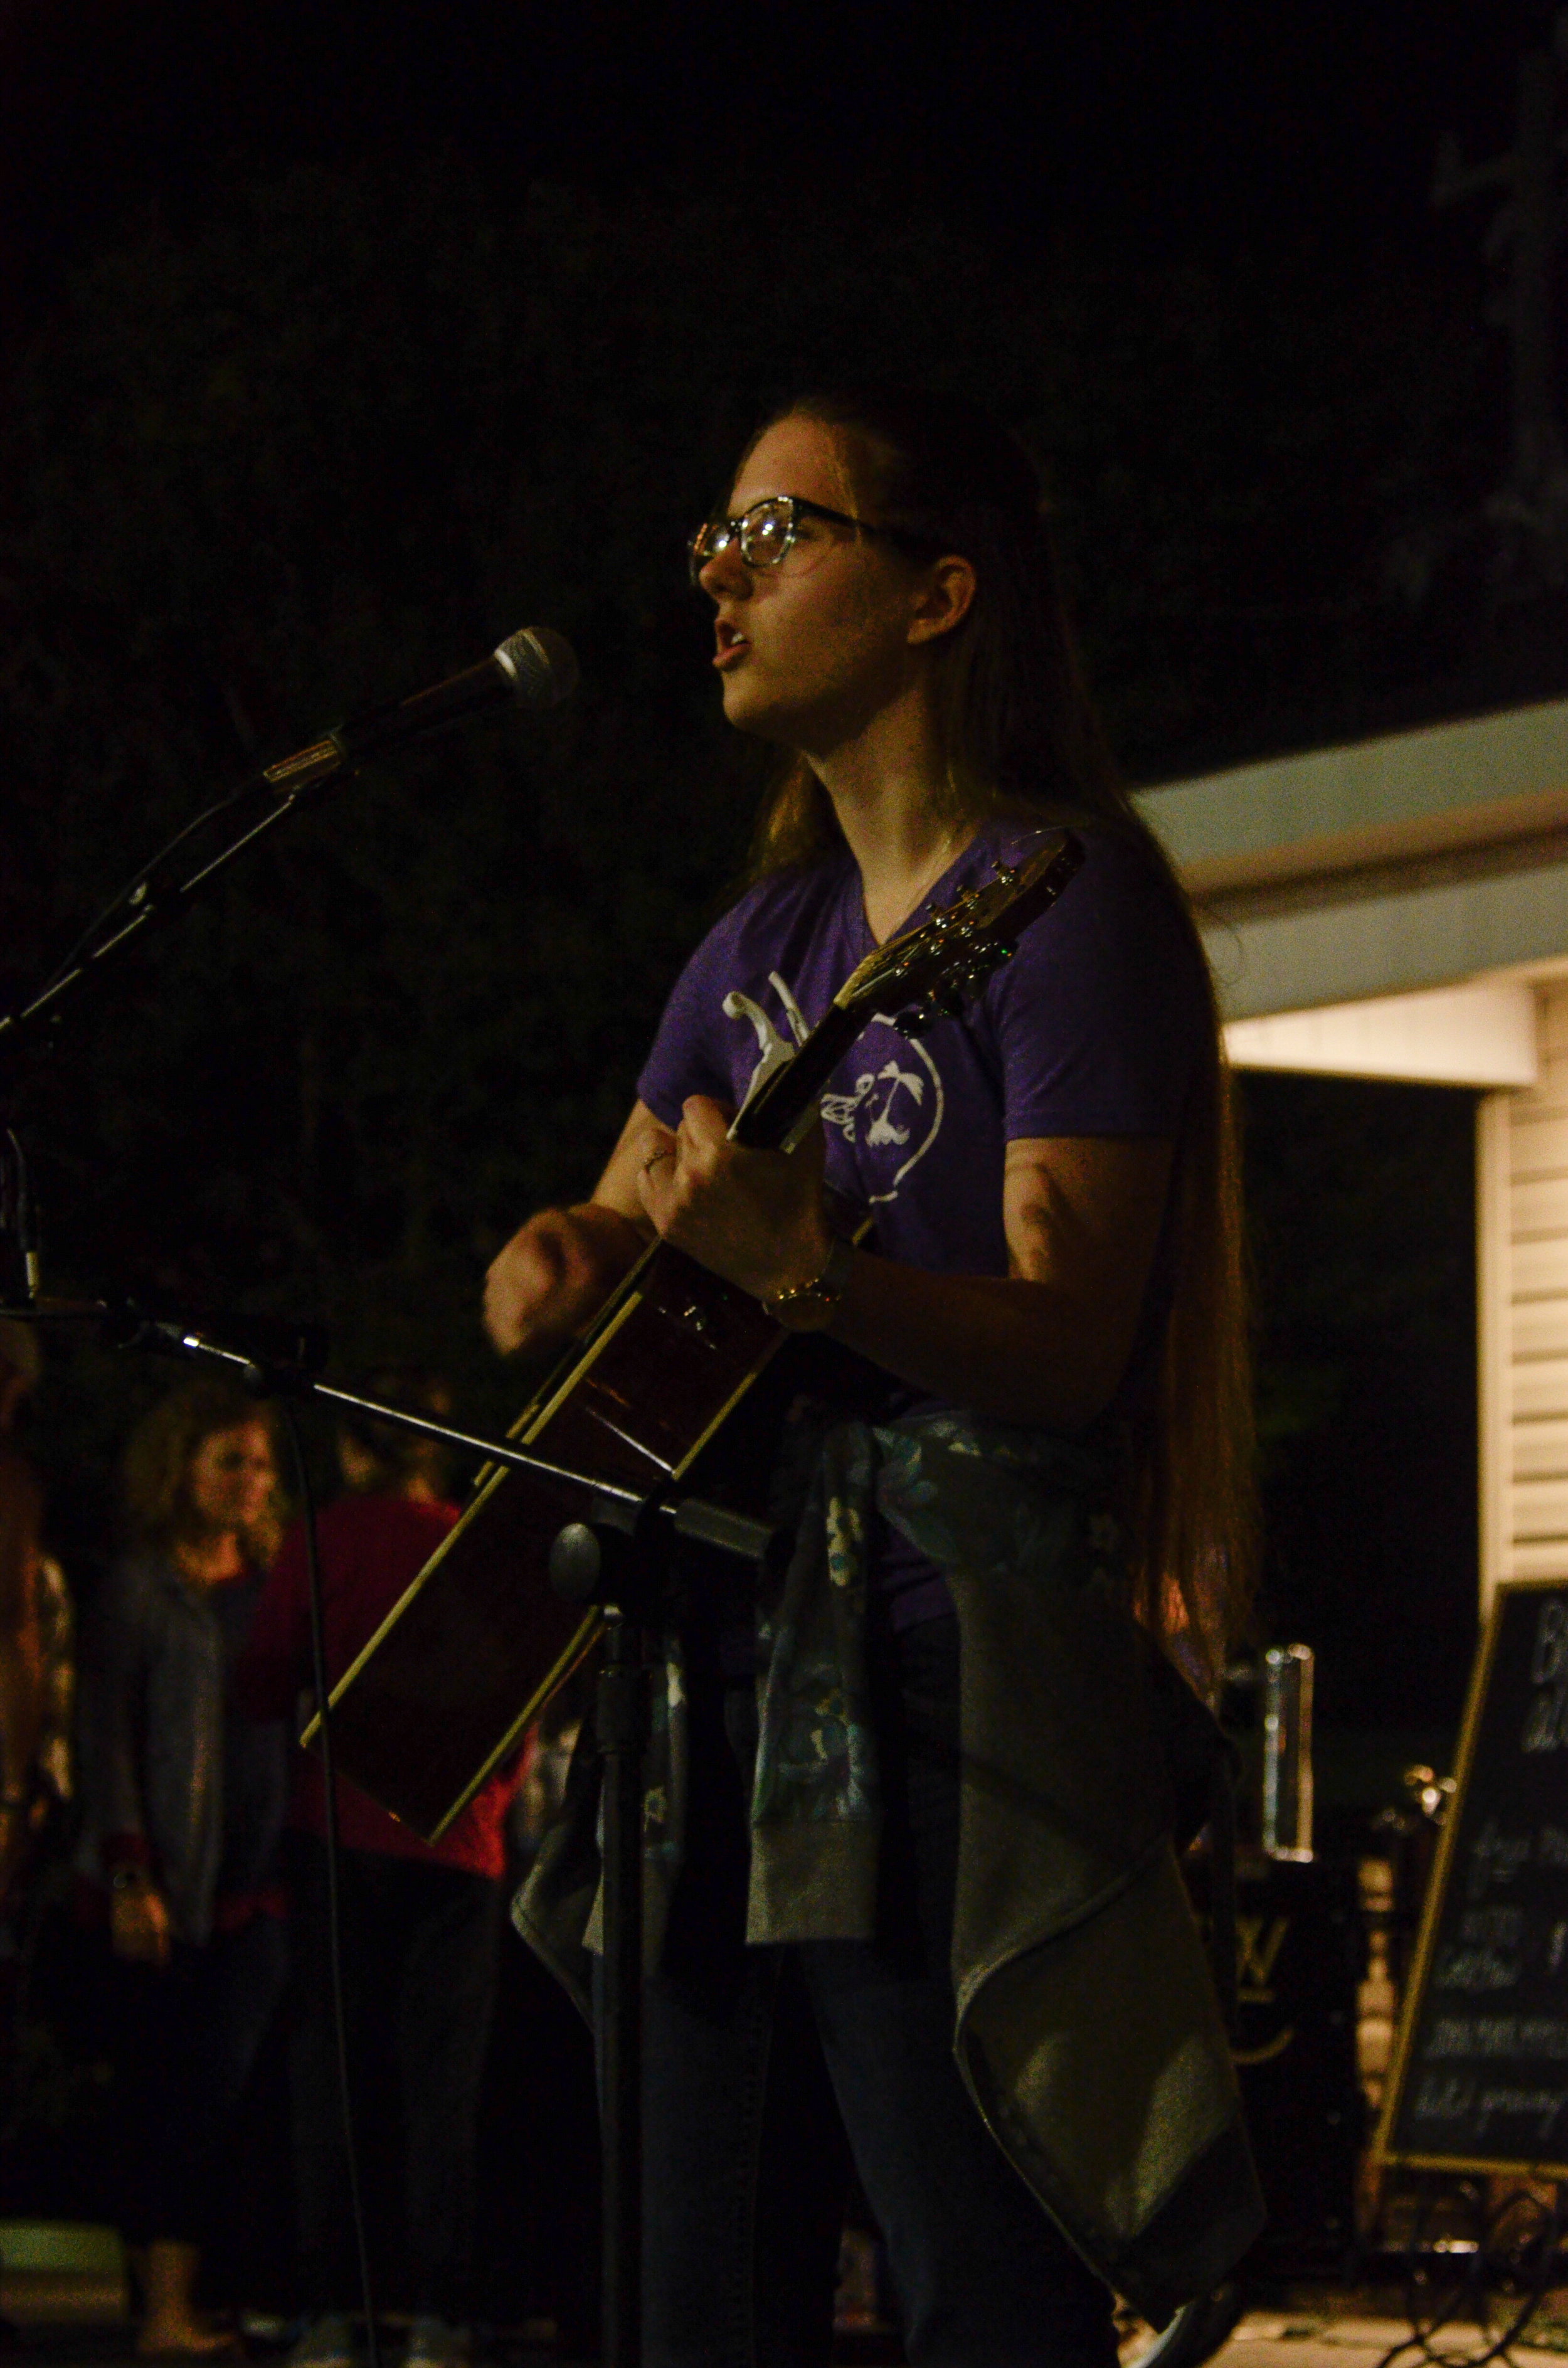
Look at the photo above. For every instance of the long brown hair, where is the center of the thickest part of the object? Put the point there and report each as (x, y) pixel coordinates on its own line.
(158, 1456)
(1019, 731)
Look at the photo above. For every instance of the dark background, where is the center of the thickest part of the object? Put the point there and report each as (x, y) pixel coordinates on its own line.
(337, 345)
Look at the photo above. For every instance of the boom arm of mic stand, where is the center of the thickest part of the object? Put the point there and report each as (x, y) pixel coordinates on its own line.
(279, 1378)
(16, 1027)
(617, 1507)
(22, 1030)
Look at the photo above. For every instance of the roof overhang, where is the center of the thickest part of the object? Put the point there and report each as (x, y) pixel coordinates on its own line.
(1374, 873)
(1480, 1034)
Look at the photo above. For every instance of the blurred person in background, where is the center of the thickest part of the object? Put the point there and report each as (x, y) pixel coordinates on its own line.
(420, 1920)
(37, 1678)
(38, 1675)
(24, 1668)
(183, 1807)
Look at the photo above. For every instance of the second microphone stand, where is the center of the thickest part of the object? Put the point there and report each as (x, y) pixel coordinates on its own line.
(618, 1556)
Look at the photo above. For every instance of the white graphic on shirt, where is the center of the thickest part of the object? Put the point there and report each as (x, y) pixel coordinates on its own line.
(773, 1050)
(891, 1100)
(843, 1110)
(892, 1105)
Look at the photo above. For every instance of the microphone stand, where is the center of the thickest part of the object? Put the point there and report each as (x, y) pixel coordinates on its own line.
(617, 1554)
(150, 911)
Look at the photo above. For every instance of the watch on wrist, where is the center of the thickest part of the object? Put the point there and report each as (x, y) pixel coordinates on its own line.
(807, 1306)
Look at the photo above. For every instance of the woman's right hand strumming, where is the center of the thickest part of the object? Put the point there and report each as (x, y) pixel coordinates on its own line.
(556, 1272)
(554, 1275)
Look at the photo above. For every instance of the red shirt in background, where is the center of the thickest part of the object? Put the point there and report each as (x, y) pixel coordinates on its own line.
(371, 1549)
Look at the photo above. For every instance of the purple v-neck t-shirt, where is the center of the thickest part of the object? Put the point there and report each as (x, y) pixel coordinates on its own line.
(1090, 1030)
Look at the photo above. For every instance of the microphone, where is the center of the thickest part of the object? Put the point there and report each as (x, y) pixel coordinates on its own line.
(537, 667)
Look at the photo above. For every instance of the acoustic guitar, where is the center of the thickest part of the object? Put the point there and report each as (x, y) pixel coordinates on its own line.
(440, 1696)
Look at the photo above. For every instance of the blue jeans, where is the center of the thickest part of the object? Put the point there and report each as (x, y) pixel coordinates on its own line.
(758, 2060)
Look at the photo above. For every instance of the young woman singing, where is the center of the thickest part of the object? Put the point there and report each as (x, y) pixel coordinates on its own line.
(929, 1782)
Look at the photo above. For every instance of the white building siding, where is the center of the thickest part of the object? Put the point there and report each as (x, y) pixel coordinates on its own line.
(1399, 909)
(1522, 1196)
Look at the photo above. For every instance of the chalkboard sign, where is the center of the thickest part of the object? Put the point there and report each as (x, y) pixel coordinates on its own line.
(1480, 2075)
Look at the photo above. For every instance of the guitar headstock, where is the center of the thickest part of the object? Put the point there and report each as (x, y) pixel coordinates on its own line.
(930, 972)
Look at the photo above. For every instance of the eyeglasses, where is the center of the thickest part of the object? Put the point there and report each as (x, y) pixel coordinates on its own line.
(765, 533)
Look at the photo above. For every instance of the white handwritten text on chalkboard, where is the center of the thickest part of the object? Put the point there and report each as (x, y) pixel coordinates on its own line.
(1450, 2097)
(1485, 1953)
(1481, 2077)
(1531, 2035)
(1546, 1720)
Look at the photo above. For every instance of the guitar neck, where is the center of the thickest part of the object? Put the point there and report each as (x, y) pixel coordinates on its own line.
(947, 960)
(791, 1094)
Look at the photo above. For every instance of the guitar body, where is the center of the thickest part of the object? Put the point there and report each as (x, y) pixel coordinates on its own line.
(442, 1693)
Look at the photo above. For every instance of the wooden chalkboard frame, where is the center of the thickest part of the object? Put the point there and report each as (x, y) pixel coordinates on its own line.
(1414, 2002)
